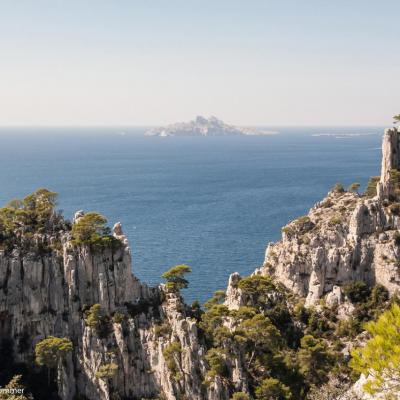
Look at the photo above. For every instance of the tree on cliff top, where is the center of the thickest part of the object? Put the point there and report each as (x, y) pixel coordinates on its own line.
(175, 277)
(354, 187)
(396, 118)
(91, 229)
(379, 359)
(20, 220)
(34, 212)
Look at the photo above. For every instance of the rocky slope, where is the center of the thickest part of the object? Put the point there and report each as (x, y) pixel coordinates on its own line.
(345, 237)
(43, 295)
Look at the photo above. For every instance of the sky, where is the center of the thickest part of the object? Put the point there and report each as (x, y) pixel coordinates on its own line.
(154, 62)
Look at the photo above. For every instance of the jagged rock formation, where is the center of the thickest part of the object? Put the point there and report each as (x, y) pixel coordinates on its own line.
(390, 162)
(345, 237)
(43, 295)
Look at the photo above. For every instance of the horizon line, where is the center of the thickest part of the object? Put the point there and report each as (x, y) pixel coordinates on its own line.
(120, 126)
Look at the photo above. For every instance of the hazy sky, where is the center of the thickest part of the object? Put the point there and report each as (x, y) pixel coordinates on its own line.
(249, 62)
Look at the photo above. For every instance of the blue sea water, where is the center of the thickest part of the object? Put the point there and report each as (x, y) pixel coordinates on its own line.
(212, 203)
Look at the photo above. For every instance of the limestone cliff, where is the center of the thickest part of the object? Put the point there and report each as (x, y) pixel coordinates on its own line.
(344, 237)
(43, 295)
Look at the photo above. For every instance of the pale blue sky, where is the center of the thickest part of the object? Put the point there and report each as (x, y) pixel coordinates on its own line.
(250, 62)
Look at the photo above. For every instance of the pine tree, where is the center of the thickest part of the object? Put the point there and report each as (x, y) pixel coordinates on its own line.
(379, 359)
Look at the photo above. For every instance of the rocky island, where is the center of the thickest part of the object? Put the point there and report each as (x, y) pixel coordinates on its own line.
(203, 127)
(75, 322)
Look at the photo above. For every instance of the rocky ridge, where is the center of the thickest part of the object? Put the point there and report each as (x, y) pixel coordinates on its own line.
(345, 237)
(45, 296)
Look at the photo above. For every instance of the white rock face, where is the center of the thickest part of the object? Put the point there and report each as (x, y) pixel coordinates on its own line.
(43, 295)
(390, 160)
(352, 238)
(344, 237)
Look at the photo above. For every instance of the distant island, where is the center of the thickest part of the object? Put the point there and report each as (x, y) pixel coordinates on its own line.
(204, 127)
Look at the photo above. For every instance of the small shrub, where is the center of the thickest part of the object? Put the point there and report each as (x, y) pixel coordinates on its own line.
(163, 330)
(240, 396)
(96, 319)
(354, 187)
(357, 291)
(370, 190)
(216, 362)
(271, 388)
(327, 203)
(118, 318)
(300, 226)
(395, 209)
(338, 188)
(107, 371)
(335, 221)
(395, 181)
(172, 356)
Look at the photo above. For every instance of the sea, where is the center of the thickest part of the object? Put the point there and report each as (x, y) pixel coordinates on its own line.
(213, 203)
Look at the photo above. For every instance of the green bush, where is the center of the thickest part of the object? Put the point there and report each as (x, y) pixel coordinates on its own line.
(107, 371)
(273, 389)
(338, 188)
(354, 187)
(172, 356)
(240, 396)
(370, 191)
(96, 319)
(118, 318)
(215, 358)
(315, 360)
(357, 291)
(91, 229)
(299, 226)
(336, 220)
(163, 330)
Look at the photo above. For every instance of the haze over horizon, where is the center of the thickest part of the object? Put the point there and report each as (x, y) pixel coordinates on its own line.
(132, 63)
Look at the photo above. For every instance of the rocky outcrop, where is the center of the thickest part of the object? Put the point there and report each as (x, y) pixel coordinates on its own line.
(345, 237)
(390, 161)
(47, 295)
